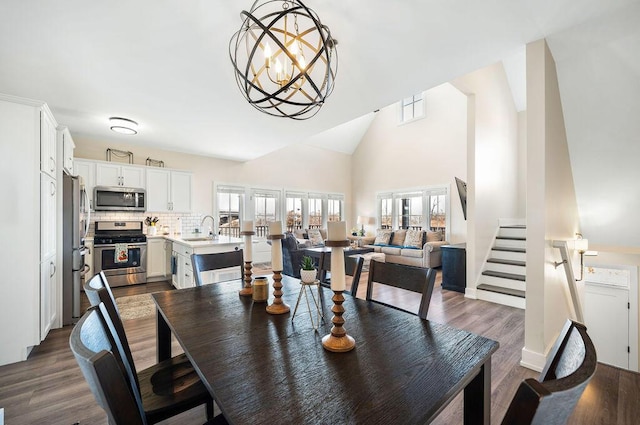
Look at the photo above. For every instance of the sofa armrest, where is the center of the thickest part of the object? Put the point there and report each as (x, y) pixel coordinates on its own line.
(434, 246)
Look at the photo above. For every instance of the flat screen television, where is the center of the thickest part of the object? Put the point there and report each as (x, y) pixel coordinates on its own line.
(462, 191)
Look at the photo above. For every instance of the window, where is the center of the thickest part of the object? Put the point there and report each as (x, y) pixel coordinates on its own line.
(265, 210)
(315, 212)
(411, 108)
(334, 208)
(229, 203)
(294, 212)
(419, 209)
(409, 211)
(386, 212)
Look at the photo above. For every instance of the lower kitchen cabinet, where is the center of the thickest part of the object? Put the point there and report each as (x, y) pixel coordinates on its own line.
(156, 259)
(48, 299)
(182, 269)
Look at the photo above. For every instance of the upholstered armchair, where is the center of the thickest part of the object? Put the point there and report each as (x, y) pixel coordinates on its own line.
(291, 256)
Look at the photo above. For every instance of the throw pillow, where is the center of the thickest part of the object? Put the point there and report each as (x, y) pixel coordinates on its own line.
(382, 237)
(413, 239)
(315, 237)
(398, 237)
(433, 236)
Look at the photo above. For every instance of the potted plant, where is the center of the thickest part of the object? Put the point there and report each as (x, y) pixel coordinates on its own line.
(308, 272)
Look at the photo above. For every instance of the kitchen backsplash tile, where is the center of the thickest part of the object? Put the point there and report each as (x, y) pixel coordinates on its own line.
(190, 222)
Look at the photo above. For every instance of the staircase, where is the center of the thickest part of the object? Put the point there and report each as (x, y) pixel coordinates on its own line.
(503, 276)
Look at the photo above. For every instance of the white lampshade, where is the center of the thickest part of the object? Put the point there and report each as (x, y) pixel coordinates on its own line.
(582, 245)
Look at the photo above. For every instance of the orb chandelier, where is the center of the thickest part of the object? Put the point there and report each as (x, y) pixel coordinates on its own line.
(284, 58)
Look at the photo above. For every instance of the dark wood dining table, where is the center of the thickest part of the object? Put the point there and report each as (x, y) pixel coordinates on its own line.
(269, 369)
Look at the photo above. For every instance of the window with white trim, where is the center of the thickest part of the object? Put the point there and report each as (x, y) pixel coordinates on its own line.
(412, 108)
(417, 209)
(266, 205)
(315, 212)
(334, 208)
(229, 205)
(294, 210)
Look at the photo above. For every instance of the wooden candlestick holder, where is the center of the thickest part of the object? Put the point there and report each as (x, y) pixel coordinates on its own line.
(338, 341)
(278, 306)
(247, 289)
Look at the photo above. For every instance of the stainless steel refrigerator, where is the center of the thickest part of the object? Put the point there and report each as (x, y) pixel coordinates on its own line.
(74, 231)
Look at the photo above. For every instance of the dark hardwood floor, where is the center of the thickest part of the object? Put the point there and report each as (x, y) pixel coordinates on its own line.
(49, 388)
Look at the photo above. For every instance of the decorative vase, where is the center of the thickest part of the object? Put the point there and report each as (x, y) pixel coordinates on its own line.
(308, 276)
(260, 289)
(151, 230)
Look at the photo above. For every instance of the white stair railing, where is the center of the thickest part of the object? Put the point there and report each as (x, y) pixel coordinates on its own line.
(571, 279)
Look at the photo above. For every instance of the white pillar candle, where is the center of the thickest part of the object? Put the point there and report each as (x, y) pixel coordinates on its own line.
(247, 226)
(248, 248)
(337, 230)
(275, 228)
(338, 278)
(276, 254)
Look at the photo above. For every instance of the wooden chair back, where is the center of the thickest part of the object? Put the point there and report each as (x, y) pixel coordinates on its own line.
(352, 267)
(93, 347)
(222, 260)
(416, 279)
(98, 291)
(551, 399)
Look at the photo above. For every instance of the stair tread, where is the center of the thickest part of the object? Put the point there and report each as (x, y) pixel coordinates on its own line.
(509, 249)
(504, 275)
(511, 238)
(509, 262)
(500, 290)
(514, 226)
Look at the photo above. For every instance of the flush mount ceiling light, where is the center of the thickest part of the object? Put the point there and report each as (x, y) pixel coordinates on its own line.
(123, 125)
(285, 60)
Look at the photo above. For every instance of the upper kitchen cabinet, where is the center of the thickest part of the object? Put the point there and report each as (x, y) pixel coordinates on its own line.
(47, 144)
(64, 139)
(168, 190)
(86, 170)
(110, 174)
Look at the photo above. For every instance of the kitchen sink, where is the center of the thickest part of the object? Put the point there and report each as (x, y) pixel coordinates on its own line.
(199, 239)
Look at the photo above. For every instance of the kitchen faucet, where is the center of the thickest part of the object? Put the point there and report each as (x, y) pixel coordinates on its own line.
(210, 228)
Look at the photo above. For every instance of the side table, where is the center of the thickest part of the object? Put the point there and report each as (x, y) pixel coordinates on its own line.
(454, 267)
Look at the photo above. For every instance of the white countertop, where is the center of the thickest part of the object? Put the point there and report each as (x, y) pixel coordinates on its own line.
(184, 240)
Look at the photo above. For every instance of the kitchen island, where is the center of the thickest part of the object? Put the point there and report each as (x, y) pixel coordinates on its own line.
(182, 246)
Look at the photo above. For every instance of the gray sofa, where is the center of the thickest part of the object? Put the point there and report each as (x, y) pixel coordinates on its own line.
(423, 254)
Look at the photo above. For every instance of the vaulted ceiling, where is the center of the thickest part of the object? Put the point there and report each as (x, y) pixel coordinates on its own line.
(166, 64)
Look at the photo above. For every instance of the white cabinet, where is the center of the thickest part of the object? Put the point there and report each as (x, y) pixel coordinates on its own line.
(28, 305)
(48, 311)
(168, 190)
(86, 170)
(48, 216)
(183, 276)
(64, 138)
(47, 144)
(109, 174)
(156, 258)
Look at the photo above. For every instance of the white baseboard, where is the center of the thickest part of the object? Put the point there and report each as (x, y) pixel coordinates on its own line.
(471, 293)
(532, 360)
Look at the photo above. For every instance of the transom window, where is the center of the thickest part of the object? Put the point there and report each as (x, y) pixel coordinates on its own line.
(411, 108)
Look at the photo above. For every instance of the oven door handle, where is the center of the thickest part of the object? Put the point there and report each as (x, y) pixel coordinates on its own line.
(112, 246)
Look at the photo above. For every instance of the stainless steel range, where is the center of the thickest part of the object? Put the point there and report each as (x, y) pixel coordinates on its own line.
(120, 251)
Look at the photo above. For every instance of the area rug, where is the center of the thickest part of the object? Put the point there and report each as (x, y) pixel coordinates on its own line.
(136, 306)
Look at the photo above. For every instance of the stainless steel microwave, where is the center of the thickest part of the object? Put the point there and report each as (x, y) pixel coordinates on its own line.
(116, 198)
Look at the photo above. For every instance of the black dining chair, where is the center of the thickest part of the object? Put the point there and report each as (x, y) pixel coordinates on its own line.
(113, 381)
(216, 261)
(352, 267)
(169, 386)
(410, 278)
(551, 399)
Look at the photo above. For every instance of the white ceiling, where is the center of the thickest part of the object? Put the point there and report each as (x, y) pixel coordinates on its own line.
(166, 65)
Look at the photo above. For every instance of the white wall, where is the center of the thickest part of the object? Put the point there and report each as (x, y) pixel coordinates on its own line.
(426, 152)
(492, 162)
(294, 167)
(551, 206)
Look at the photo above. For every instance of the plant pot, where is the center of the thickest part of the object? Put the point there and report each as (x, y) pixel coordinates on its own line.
(308, 276)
